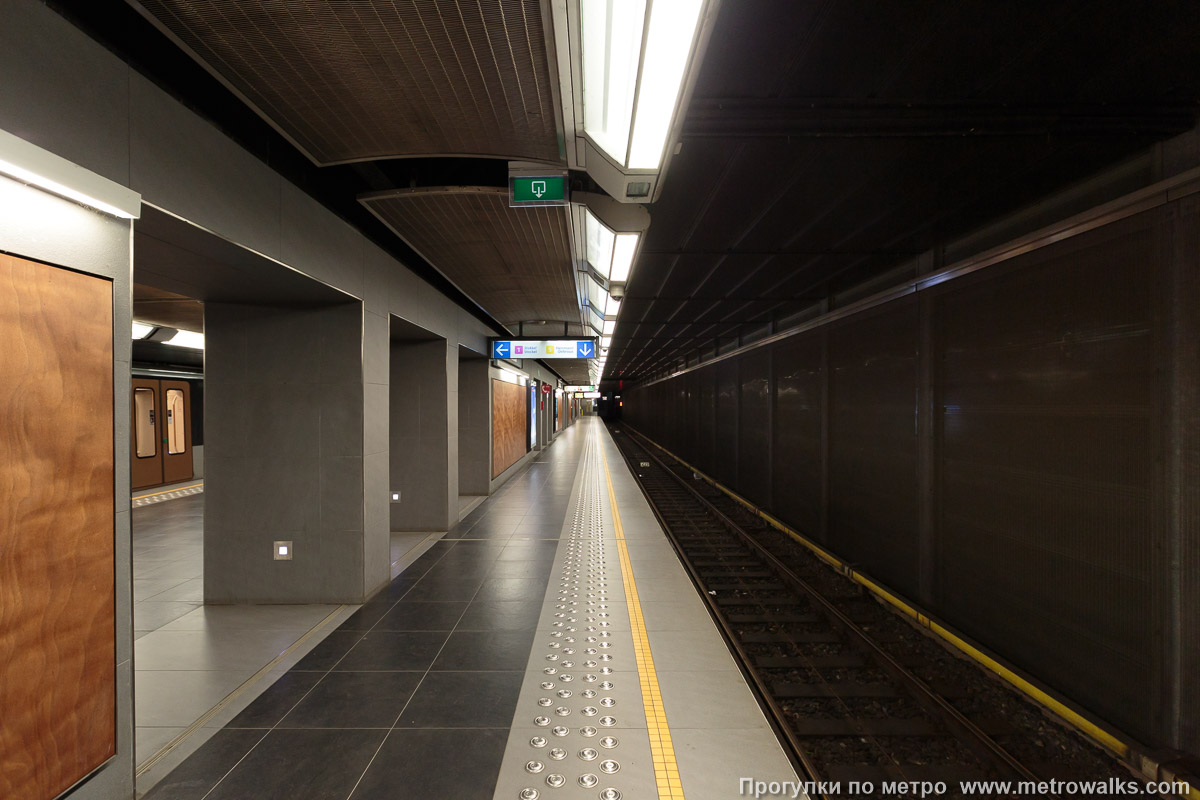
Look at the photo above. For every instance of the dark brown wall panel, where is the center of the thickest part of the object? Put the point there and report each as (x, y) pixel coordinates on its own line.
(510, 418)
(872, 429)
(1061, 465)
(754, 426)
(57, 631)
(796, 460)
(706, 431)
(1049, 400)
(725, 468)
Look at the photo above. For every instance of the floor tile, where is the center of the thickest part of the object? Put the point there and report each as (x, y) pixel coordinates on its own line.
(501, 615)
(390, 650)
(192, 779)
(444, 589)
(149, 740)
(202, 650)
(418, 759)
(149, 615)
(280, 697)
(485, 650)
(177, 698)
(463, 700)
(423, 616)
(496, 589)
(354, 700)
(368, 615)
(301, 765)
(331, 649)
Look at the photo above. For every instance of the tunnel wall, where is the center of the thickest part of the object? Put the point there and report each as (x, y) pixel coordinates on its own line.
(1015, 449)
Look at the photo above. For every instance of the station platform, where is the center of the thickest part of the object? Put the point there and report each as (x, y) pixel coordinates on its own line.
(549, 646)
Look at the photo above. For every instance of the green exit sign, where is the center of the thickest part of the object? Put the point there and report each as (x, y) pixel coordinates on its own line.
(542, 190)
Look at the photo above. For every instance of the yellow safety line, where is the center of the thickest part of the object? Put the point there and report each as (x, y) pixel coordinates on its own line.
(168, 491)
(662, 750)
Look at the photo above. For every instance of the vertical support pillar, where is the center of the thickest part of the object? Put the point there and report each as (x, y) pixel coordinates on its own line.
(1180, 693)
(826, 444)
(927, 444)
(284, 450)
(377, 546)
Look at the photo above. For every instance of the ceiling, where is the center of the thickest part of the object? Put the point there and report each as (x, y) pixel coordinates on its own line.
(167, 309)
(826, 143)
(359, 80)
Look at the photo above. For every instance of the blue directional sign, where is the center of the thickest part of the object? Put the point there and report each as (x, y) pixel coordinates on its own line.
(543, 348)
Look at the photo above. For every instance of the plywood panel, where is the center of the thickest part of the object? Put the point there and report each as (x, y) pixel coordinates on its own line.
(509, 424)
(57, 636)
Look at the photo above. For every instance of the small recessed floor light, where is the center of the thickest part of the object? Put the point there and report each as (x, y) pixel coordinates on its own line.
(283, 551)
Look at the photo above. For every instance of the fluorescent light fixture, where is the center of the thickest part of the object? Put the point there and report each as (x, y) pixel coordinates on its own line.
(31, 164)
(613, 308)
(672, 29)
(623, 251)
(606, 341)
(613, 54)
(141, 330)
(610, 325)
(612, 41)
(187, 339)
(599, 243)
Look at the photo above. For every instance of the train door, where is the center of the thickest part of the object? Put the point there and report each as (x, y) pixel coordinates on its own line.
(177, 434)
(161, 432)
(147, 468)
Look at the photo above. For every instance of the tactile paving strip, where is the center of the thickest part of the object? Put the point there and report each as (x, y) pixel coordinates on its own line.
(579, 729)
(174, 494)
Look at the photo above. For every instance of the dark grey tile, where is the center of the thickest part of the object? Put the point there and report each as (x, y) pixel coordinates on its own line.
(271, 706)
(396, 589)
(200, 771)
(504, 615)
(301, 765)
(445, 589)
(354, 700)
(365, 618)
(485, 650)
(329, 651)
(512, 589)
(445, 765)
(522, 569)
(423, 616)
(389, 650)
(463, 700)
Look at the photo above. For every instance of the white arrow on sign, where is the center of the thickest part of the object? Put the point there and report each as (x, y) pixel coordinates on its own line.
(539, 188)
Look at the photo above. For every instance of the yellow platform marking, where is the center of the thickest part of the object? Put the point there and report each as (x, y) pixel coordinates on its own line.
(662, 751)
(167, 491)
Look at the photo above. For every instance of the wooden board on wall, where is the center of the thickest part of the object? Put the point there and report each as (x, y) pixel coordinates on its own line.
(57, 604)
(509, 424)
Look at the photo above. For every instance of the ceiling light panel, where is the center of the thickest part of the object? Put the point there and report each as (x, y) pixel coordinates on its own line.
(672, 30)
(600, 241)
(624, 249)
(612, 39)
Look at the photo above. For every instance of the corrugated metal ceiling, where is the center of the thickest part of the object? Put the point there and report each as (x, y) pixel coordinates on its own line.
(358, 80)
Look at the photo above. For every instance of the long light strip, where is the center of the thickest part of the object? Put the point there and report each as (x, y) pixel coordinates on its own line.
(31, 164)
(672, 30)
(612, 38)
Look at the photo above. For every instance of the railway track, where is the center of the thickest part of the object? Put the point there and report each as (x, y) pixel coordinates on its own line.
(851, 689)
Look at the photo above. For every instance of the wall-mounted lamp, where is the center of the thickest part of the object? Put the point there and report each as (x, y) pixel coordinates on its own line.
(31, 164)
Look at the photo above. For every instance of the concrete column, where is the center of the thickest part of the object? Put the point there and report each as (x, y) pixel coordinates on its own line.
(419, 435)
(474, 427)
(377, 549)
(284, 451)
